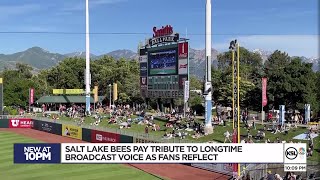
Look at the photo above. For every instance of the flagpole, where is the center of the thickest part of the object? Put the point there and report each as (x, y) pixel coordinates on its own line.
(87, 60)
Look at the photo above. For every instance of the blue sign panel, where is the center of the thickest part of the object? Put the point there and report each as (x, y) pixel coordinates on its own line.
(37, 153)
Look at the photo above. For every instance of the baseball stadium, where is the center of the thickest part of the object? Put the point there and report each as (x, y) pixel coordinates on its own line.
(174, 89)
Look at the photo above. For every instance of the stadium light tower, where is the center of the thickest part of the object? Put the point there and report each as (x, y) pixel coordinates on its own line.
(207, 86)
(87, 74)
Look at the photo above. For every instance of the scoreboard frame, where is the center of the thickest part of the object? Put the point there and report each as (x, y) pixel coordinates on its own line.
(164, 86)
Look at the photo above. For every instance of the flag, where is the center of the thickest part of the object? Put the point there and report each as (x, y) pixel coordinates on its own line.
(31, 96)
(264, 92)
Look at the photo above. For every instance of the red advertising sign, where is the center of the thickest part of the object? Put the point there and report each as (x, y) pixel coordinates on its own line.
(104, 137)
(183, 50)
(264, 92)
(20, 123)
(31, 96)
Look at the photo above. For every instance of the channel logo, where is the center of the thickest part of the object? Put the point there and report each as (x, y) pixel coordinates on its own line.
(302, 151)
(291, 153)
(295, 153)
(37, 153)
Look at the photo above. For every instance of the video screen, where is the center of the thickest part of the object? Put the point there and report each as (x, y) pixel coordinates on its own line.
(163, 63)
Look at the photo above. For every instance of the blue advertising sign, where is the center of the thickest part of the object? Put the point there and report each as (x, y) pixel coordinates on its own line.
(37, 153)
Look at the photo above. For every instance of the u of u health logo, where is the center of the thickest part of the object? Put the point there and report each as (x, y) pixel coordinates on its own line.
(20, 123)
(15, 122)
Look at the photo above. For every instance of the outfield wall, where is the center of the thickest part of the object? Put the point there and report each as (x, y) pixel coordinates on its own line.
(94, 136)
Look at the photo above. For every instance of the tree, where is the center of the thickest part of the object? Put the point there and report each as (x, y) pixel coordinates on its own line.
(17, 84)
(195, 84)
(291, 82)
(250, 71)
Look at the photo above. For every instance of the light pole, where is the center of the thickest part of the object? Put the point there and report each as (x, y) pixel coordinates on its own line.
(208, 89)
(87, 60)
(110, 96)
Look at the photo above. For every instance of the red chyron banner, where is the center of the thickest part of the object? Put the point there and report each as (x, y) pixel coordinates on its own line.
(104, 137)
(20, 123)
(264, 92)
(31, 96)
(183, 50)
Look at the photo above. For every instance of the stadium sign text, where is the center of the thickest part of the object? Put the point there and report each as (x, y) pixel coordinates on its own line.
(163, 39)
(164, 31)
(163, 35)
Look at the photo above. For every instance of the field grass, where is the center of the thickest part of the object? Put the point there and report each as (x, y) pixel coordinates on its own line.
(10, 171)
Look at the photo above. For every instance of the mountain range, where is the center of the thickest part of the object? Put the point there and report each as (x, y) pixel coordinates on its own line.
(40, 58)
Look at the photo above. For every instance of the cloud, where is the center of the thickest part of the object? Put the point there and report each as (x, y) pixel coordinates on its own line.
(294, 45)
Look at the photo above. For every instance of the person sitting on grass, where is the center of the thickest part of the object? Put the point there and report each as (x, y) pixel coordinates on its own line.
(196, 135)
(155, 127)
(169, 125)
(276, 130)
(112, 120)
(261, 135)
(167, 135)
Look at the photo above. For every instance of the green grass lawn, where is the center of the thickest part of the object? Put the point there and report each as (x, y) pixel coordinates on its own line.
(10, 171)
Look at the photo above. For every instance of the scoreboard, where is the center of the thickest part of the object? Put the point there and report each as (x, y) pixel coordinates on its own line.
(164, 69)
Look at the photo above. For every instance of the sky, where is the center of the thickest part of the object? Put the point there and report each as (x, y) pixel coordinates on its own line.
(287, 25)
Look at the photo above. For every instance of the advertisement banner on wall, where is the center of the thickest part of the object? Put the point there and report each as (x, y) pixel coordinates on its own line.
(183, 50)
(20, 123)
(72, 131)
(183, 66)
(48, 127)
(104, 137)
